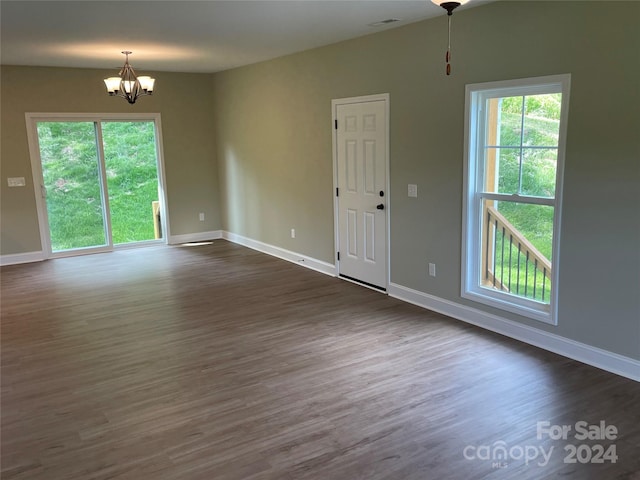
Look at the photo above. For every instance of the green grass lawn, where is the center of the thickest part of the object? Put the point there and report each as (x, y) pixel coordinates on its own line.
(132, 179)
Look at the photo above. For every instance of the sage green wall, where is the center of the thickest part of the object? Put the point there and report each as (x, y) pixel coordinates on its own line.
(184, 102)
(273, 139)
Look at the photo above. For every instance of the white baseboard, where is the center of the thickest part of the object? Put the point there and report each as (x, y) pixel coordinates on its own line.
(194, 237)
(305, 261)
(27, 257)
(603, 359)
(609, 361)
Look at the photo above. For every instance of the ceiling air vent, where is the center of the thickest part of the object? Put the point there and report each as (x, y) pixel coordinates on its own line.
(384, 22)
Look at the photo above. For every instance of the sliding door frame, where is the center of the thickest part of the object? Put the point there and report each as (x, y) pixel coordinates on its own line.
(32, 120)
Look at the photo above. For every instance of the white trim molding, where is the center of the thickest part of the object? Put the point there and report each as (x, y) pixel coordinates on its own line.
(596, 357)
(16, 258)
(293, 257)
(194, 237)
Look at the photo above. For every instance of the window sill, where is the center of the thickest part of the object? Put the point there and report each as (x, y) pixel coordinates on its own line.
(510, 303)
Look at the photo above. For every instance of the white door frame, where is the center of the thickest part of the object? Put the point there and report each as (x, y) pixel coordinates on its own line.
(334, 141)
(38, 182)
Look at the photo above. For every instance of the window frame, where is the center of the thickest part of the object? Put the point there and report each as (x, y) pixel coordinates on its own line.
(476, 96)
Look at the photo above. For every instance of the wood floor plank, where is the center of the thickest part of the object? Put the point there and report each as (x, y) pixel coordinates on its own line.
(218, 362)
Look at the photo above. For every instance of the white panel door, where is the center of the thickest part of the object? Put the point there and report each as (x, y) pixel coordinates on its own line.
(361, 169)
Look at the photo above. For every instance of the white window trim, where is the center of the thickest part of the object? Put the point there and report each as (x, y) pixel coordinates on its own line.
(470, 288)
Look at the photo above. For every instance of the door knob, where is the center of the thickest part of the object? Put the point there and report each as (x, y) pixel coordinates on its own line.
(380, 207)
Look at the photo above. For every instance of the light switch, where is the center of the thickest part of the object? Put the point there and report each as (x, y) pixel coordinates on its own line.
(412, 190)
(16, 181)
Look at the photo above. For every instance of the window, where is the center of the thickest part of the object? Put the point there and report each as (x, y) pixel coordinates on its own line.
(515, 137)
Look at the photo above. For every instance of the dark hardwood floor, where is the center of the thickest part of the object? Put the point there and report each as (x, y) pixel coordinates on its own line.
(218, 362)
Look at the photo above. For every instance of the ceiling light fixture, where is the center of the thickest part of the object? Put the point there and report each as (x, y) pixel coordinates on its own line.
(128, 85)
(449, 7)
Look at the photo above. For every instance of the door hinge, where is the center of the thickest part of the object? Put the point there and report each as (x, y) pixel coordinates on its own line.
(335, 122)
(338, 256)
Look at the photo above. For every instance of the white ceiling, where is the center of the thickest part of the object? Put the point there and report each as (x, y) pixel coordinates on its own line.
(188, 36)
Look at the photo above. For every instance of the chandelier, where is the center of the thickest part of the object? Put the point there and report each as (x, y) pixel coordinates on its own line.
(128, 85)
(449, 7)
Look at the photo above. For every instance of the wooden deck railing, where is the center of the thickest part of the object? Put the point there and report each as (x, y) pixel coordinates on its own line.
(510, 262)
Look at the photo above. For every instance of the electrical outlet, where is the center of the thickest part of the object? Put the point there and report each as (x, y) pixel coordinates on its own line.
(293, 233)
(201, 216)
(432, 269)
(412, 190)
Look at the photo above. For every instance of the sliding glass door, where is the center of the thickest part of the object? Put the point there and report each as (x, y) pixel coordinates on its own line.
(100, 182)
(130, 160)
